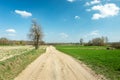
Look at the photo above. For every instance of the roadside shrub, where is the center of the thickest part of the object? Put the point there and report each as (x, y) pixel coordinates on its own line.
(110, 48)
(116, 45)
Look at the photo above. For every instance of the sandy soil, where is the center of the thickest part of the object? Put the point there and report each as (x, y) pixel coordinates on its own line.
(55, 65)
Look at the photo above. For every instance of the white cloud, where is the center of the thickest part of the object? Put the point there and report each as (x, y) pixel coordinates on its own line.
(71, 1)
(94, 33)
(106, 10)
(63, 35)
(77, 17)
(23, 13)
(96, 16)
(95, 2)
(87, 4)
(11, 30)
(92, 2)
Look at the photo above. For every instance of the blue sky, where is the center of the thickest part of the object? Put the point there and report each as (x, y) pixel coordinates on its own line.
(61, 20)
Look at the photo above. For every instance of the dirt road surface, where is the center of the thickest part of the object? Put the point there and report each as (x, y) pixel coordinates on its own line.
(55, 65)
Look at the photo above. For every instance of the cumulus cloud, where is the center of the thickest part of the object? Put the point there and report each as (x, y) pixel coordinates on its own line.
(11, 30)
(92, 2)
(23, 13)
(107, 10)
(95, 2)
(77, 17)
(94, 33)
(87, 4)
(71, 1)
(63, 35)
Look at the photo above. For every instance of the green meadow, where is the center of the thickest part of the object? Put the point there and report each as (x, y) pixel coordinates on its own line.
(101, 60)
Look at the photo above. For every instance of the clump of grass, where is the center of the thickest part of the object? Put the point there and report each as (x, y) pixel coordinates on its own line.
(106, 62)
(10, 68)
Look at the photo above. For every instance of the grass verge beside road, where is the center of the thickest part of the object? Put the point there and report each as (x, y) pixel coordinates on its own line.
(10, 68)
(106, 62)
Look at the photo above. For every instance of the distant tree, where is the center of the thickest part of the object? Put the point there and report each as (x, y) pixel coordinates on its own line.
(4, 41)
(22, 42)
(98, 41)
(42, 42)
(106, 40)
(81, 41)
(35, 34)
(116, 45)
(90, 43)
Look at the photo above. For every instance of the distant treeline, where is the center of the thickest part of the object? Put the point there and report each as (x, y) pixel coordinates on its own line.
(5, 41)
(109, 45)
(99, 41)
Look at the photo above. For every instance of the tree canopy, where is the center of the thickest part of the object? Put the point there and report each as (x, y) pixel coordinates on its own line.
(35, 34)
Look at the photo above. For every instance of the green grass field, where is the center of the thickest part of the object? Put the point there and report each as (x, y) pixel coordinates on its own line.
(102, 61)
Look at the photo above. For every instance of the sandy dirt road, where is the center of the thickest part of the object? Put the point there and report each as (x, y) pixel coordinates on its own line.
(55, 65)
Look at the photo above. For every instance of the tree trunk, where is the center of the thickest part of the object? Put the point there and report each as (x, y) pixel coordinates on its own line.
(37, 43)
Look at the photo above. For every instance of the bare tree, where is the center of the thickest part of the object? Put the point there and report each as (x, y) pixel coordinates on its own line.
(81, 41)
(106, 40)
(35, 34)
